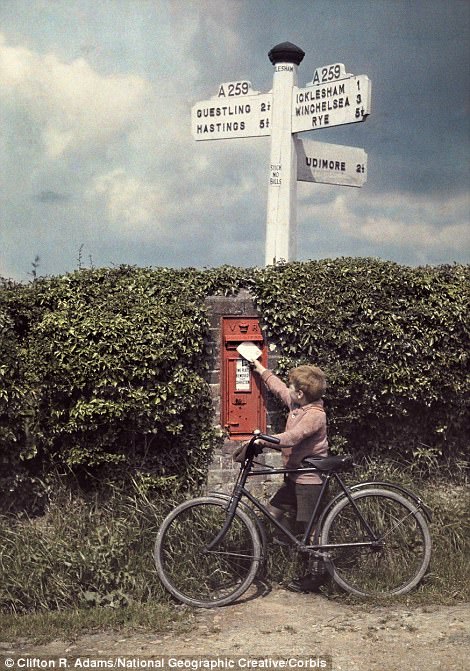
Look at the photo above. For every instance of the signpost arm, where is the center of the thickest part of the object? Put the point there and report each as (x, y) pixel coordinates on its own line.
(282, 188)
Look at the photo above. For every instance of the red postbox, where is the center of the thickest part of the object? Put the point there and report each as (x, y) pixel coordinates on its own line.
(243, 405)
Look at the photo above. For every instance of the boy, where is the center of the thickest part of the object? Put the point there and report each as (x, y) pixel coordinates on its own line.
(304, 435)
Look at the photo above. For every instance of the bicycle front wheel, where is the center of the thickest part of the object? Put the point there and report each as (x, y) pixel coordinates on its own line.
(400, 555)
(195, 575)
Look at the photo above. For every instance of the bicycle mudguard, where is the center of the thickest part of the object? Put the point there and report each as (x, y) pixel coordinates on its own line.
(249, 511)
(394, 487)
(372, 483)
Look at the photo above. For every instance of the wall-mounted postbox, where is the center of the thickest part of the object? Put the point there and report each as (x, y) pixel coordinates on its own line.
(242, 404)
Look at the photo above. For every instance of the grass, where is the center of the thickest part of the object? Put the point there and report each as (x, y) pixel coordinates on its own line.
(82, 553)
(87, 566)
(43, 627)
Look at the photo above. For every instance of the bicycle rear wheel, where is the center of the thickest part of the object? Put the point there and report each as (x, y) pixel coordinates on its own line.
(396, 562)
(204, 578)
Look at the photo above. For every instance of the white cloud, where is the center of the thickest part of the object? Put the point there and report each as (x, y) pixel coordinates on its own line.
(380, 230)
(150, 207)
(426, 223)
(131, 203)
(152, 172)
(75, 108)
(210, 23)
(423, 224)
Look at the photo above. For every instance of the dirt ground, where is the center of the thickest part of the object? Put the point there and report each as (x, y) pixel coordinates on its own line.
(305, 628)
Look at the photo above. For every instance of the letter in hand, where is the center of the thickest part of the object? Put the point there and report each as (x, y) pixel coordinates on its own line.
(249, 351)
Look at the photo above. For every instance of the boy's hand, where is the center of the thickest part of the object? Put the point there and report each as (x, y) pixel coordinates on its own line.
(257, 366)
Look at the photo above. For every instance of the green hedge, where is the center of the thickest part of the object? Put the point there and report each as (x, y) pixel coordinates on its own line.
(102, 371)
(394, 341)
(111, 374)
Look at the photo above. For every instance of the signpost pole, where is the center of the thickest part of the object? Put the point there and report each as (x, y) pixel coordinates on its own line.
(282, 188)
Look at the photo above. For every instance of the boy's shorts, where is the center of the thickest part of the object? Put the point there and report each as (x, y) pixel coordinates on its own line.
(301, 498)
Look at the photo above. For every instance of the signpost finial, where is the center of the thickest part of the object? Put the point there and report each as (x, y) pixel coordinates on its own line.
(286, 52)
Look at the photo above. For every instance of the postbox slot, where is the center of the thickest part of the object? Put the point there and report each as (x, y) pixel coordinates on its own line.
(249, 337)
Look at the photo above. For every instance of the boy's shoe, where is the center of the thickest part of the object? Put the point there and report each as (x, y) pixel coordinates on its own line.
(308, 583)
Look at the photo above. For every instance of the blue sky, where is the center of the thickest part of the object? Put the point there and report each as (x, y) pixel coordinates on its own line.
(99, 165)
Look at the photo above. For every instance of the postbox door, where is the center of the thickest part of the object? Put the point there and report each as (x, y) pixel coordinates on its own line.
(243, 403)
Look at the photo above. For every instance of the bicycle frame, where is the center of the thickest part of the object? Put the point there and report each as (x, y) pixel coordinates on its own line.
(317, 549)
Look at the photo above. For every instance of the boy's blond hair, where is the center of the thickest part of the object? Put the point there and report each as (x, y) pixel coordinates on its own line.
(309, 379)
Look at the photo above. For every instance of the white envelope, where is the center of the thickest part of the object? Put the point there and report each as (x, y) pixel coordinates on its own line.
(249, 351)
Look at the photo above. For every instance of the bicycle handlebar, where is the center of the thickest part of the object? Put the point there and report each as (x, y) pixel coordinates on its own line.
(269, 439)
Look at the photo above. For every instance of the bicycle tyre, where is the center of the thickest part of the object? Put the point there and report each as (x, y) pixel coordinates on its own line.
(206, 579)
(392, 568)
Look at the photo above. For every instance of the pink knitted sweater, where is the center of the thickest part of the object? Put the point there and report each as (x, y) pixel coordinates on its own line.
(305, 432)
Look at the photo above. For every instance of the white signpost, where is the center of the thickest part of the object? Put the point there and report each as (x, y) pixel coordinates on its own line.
(330, 163)
(339, 102)
(247, 114)
(332, 98)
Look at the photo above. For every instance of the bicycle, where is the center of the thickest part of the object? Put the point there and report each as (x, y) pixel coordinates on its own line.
(372, 538)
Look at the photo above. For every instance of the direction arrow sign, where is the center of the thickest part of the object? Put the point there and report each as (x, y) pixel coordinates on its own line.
(332, 104)
(330, 163)
(237, 116)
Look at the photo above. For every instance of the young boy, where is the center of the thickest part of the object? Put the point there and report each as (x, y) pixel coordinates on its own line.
(304, 435)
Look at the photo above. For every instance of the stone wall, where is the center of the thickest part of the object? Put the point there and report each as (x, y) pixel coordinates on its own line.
(223, 471)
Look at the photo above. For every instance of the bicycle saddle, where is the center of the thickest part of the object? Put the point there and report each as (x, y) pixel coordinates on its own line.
(334, 463)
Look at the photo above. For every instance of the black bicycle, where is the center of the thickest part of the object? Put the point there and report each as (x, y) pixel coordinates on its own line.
(372, 538)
